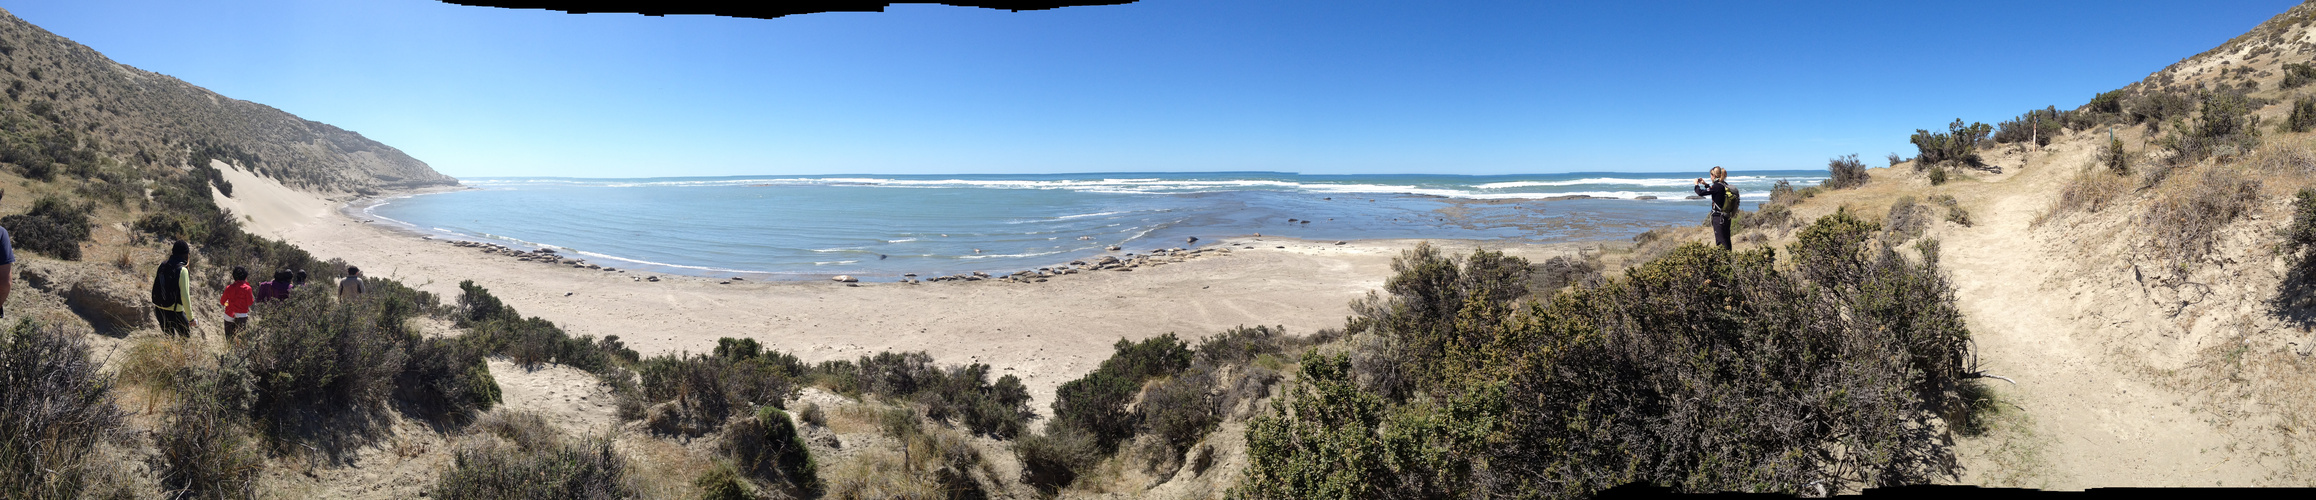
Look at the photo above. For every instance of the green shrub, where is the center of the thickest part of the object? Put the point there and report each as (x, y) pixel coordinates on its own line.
(1844, 171)
(2303, 115)
(722, 483)
(1053, 460)
(2114, 158)
(1895, 159)
(207, 451)
(1937, 176)
(53, 227)
(812, 415)
(1772, 216)
(1179, 410)
(1240, 344)
(2226, 125)
(55, 406)
(2036, 126)
(447, 377)
(1703, 370)
(2297, 75)
(314, 353)
(1958, 145)
(2106, 102)
(1096, 404)
(1417, 321)
(766, 446)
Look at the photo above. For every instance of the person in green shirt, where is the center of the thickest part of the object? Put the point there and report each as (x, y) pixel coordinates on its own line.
(172, 286)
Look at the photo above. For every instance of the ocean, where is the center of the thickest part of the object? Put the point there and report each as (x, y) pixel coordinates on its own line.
(877, 228)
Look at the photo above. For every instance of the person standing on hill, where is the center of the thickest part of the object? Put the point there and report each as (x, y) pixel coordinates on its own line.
(172, 285)
(236, 300)
(1724, 204)
(7, 268)
(351, 286)
(278, 289)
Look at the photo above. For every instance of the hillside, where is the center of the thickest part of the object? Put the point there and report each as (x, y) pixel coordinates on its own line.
(2104, 295)
(71, 109)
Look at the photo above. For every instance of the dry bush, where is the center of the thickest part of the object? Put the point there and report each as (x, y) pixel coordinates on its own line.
(208, 452)
(2089, 192)
(534, 462)
(2284, 160)
(880, 474)
(1954, 211)
(1562, 271)
(2295, 298)
(156, 363)
(2185, 216)
(1845, 172)
(56, 407)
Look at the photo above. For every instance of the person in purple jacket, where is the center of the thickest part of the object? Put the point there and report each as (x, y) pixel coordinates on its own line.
(278, 289)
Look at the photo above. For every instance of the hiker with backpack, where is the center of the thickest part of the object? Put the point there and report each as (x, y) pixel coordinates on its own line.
(172, 285)
(1724, 204)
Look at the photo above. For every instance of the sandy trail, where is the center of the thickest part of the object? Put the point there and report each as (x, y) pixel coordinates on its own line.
(2096, 424)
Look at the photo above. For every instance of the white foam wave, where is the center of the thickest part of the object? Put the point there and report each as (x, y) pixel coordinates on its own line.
(1491, 190)
(664, 264)
(1009, 255)
(902, 240)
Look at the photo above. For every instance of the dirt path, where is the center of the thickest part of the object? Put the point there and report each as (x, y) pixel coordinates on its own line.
(2077, 418)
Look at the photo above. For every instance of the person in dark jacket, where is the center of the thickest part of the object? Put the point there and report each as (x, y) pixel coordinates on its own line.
(1717, 191)
(278, 289)
(172, 289)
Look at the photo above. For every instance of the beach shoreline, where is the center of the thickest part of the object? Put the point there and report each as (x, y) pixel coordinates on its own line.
(1045, 332)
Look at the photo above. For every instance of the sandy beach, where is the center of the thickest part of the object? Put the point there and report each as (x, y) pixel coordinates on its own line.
(1046, 333)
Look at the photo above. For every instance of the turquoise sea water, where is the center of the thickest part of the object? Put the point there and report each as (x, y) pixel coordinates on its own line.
(878, 227)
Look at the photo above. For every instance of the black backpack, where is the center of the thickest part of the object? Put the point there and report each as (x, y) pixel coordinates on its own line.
(165, 285)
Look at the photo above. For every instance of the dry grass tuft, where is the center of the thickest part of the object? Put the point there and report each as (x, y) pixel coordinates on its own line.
(2186, 215)
(2090, 191)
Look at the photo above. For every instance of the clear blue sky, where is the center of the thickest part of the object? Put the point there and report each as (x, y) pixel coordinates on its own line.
(1313, 86)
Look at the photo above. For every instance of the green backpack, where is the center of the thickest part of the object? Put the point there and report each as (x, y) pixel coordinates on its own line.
(1729, 203)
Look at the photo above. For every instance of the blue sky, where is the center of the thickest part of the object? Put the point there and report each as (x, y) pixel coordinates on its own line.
(1312, 86)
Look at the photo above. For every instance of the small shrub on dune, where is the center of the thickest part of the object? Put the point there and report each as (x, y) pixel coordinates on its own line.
(1954, 211)
(1055, 459)
(207, 450)
(766, 446)
(2089, 191)
(590, 468)
(722, 482)
(813, 415)
(2303, 115)
(1845, 172)
(56, 406)
(2185, 219)
(1908, 218)
(1240, 344)
(447, 377)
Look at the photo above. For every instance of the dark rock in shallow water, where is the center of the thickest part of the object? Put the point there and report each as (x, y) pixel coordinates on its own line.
(1645, 197)
(1694, 197)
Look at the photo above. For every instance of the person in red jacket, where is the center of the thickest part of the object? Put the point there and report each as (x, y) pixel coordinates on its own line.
(237, 299)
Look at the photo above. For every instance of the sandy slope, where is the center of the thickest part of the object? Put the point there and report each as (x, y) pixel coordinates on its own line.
(1047, 333)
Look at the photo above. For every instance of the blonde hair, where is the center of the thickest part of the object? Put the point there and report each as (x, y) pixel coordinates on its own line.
(1720, 174)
